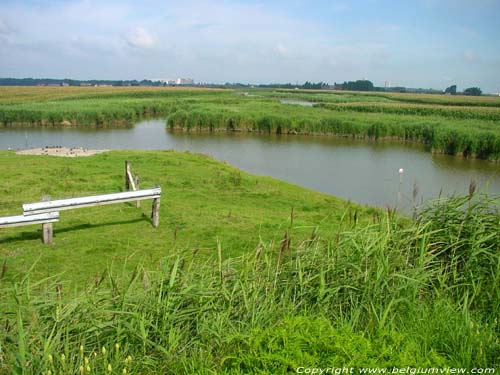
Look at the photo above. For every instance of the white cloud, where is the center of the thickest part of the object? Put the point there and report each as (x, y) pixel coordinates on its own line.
(141, 38)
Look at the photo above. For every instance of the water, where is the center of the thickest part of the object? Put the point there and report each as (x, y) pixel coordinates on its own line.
(365, 172)
(303, 103)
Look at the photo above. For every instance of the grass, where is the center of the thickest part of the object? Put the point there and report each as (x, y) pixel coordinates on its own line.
(456, 125)
(203, 200)
(229, 284)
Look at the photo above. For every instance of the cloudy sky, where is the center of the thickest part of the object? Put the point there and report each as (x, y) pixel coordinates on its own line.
(414, 43)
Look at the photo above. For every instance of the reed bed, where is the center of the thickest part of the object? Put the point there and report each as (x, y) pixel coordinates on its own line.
(394, 293)
(451, 112)
(97, 107)
(455, 125)
(464, 137)
(441, 100)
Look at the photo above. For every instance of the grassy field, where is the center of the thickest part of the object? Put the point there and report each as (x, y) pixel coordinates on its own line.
(230, 284)
(456, 125)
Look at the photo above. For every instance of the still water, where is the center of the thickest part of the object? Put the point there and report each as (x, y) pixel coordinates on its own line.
(364, 172)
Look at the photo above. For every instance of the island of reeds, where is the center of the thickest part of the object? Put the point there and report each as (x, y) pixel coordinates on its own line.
(245, 275)
(455, 125)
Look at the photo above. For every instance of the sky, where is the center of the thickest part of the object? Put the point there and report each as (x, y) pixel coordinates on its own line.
(412, 43)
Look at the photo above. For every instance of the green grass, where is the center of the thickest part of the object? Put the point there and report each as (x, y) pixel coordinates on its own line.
(241, 289)
(203, 200)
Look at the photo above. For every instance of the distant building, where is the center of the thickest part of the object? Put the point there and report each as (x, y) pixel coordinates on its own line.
(184, 81)
(174, 82)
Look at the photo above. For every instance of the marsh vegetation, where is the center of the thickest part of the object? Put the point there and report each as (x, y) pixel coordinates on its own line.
(465, 126)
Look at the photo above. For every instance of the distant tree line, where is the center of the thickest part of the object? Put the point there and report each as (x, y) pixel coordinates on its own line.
(74, 82)
(359, 85)
(471, 91)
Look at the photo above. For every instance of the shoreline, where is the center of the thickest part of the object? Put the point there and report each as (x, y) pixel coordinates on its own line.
(67, 152)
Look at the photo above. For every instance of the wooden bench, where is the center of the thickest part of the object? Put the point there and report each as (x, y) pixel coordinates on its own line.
(46, 219)
(54, 206)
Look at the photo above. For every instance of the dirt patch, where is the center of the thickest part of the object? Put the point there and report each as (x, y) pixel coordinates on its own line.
(60, 151)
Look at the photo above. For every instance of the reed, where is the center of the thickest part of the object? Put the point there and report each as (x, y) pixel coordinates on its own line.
(464, 137)
(394, 293)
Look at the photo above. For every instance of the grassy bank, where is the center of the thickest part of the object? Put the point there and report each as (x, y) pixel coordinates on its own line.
(204, 200)
(230, 284)
(453, 125)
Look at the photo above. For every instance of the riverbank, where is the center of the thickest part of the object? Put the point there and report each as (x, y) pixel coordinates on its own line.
(68, 152)
(245, 274)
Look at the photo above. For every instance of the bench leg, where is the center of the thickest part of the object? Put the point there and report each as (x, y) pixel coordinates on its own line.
(47, 233)
(155, 214)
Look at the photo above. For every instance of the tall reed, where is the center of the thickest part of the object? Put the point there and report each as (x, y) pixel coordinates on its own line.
(394, 293)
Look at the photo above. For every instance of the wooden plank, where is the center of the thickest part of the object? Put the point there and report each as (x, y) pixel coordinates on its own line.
(17, 221)
(96, 200)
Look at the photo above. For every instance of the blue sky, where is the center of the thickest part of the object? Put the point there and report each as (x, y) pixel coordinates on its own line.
(413, 43)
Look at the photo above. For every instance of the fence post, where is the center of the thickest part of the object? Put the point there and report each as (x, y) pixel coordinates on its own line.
(127, 171)
(47, 227)
(47, 233)
(155, 213)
